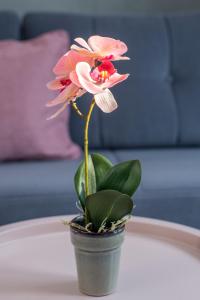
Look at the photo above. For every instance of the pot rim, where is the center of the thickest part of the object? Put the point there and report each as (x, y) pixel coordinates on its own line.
(75, 230)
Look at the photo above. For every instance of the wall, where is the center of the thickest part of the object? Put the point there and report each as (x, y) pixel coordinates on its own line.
(100, 6)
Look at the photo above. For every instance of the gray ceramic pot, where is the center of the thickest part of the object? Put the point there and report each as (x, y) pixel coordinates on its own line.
(97, 260)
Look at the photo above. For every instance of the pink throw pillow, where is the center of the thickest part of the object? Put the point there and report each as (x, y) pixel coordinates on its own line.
(25, 68)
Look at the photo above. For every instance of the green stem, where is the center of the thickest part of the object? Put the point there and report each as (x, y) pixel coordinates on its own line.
(75, 107)
(86, 146)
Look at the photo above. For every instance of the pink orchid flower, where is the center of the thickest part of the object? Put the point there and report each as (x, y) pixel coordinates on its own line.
(64, 71)
(88, 69)
(97, 81)
(100, 47)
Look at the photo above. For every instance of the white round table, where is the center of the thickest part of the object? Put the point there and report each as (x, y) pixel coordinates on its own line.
(160, 261)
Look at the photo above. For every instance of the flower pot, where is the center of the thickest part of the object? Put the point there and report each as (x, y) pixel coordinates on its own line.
(97, 260)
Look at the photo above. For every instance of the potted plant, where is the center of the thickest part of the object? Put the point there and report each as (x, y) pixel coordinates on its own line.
(103, 190)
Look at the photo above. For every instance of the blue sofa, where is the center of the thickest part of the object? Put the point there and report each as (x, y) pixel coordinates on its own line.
(158, 120)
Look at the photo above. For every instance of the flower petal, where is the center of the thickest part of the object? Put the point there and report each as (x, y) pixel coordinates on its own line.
(68, 62)
(55, 85)
(62, 65)
(121, 58)
(83, 43)
(114, 79)
(58, 112)
(83, 70)
(69, 92)
(106, 101)
(74, 78)
(83, 51)
(107, 46)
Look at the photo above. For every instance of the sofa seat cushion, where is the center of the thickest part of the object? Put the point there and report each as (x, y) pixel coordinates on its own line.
(174, 170)
(170, 187)
(39, 188)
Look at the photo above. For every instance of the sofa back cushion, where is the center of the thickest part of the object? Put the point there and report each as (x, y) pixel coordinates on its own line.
(9, 25)
(147, 113)
(159, 103)
(184, 32)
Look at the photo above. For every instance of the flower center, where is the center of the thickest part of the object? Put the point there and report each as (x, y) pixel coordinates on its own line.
(103, 70)
(103, 75)
(65, 82)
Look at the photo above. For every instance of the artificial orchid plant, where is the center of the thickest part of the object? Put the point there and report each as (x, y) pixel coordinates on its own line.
(104, 190)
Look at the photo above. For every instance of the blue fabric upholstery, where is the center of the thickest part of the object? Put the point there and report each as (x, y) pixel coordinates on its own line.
(77, 25)
(9, 25)
(160, 100)
(38, 188)
(157, 120)
(145, 100)
(150, 111)
(185, 49)
(170, 187)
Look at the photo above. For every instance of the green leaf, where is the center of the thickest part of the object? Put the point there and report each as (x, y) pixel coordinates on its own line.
(101, 166)
(124, 177)
(79, 180)
(98, 167)
(107, 206)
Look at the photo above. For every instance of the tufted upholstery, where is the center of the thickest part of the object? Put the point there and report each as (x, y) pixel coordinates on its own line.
(185, 69)
(9, 25)
(146, 99)
(157, 120)
(160, 100)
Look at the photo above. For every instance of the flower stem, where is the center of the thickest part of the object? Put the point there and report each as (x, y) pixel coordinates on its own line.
(75, 107)
(86, 146)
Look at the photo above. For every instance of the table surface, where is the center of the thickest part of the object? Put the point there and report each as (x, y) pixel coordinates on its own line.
(160, 260)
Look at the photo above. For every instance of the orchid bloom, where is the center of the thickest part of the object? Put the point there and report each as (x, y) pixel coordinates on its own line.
(97, 81)
(64, 70)
(88, 69)
(100, 47)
